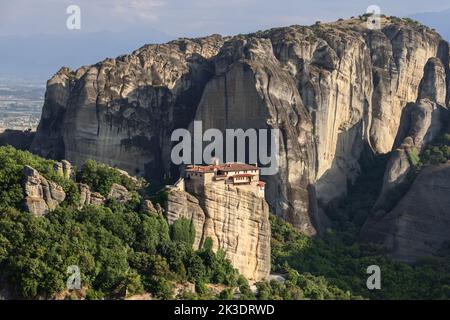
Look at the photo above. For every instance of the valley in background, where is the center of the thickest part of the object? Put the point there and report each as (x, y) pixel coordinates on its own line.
(363, 179)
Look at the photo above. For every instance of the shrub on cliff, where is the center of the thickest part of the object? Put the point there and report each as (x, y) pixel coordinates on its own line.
(182, 230)
(101, 177)
(437, 151)
(98, 176)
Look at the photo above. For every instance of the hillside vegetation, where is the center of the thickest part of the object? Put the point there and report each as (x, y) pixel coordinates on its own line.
(122, 249)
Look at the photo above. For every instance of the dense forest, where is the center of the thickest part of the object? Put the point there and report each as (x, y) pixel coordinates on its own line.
(122, 249)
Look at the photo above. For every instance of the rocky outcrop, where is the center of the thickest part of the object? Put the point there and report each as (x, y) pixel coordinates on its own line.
(236, 220)
(120, 193)
(420, 123)
(87, 197)
(433, 84)
(399, 54)
(64, 169)
(41, 195)
(335, 91)
(414, 227)
(418, 226)
(148, 207)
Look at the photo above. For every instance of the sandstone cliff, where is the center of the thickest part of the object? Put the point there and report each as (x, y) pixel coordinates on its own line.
(236, 220)
(419, 225)
(420, 123)
(122, 111)
(251, 89)
(414, 227)
(336, 91)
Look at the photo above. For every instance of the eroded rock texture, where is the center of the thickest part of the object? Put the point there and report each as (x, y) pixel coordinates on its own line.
(420, 123)
(236, 220)
(251, 89)
(419, 225)
(41, 195)
(336, 91)
(87, 197)
(122, 111)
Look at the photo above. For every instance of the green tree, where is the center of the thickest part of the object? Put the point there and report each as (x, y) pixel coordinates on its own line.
(183, 230)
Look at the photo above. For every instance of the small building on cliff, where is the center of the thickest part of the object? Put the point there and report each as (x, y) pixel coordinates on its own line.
(226, 204)
(235, 174)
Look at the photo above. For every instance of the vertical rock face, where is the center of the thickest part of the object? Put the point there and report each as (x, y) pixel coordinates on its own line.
(399, 55)
(418, 226)
(236, 220)
(122, 111)
(251, 89)
(335, 91)
(49, 140)
(332, 70)
(420, 123)
(433, 84)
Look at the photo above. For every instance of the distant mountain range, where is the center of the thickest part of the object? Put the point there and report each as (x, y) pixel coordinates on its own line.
(40, 56)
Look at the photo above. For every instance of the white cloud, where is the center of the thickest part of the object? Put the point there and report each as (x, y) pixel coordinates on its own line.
(187, 17)
(145, 10)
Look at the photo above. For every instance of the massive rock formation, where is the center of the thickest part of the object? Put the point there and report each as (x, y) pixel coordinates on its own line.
(251, 89)
(335, 91)
(399, 55)
(122, 111)
(420, 123)
(236, 220)
(419, 225)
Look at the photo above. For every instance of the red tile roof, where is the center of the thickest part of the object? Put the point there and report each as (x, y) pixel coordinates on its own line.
(200, 169)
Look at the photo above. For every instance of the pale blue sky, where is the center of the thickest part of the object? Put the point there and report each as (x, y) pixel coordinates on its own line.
(34, 39)
(190, 17)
